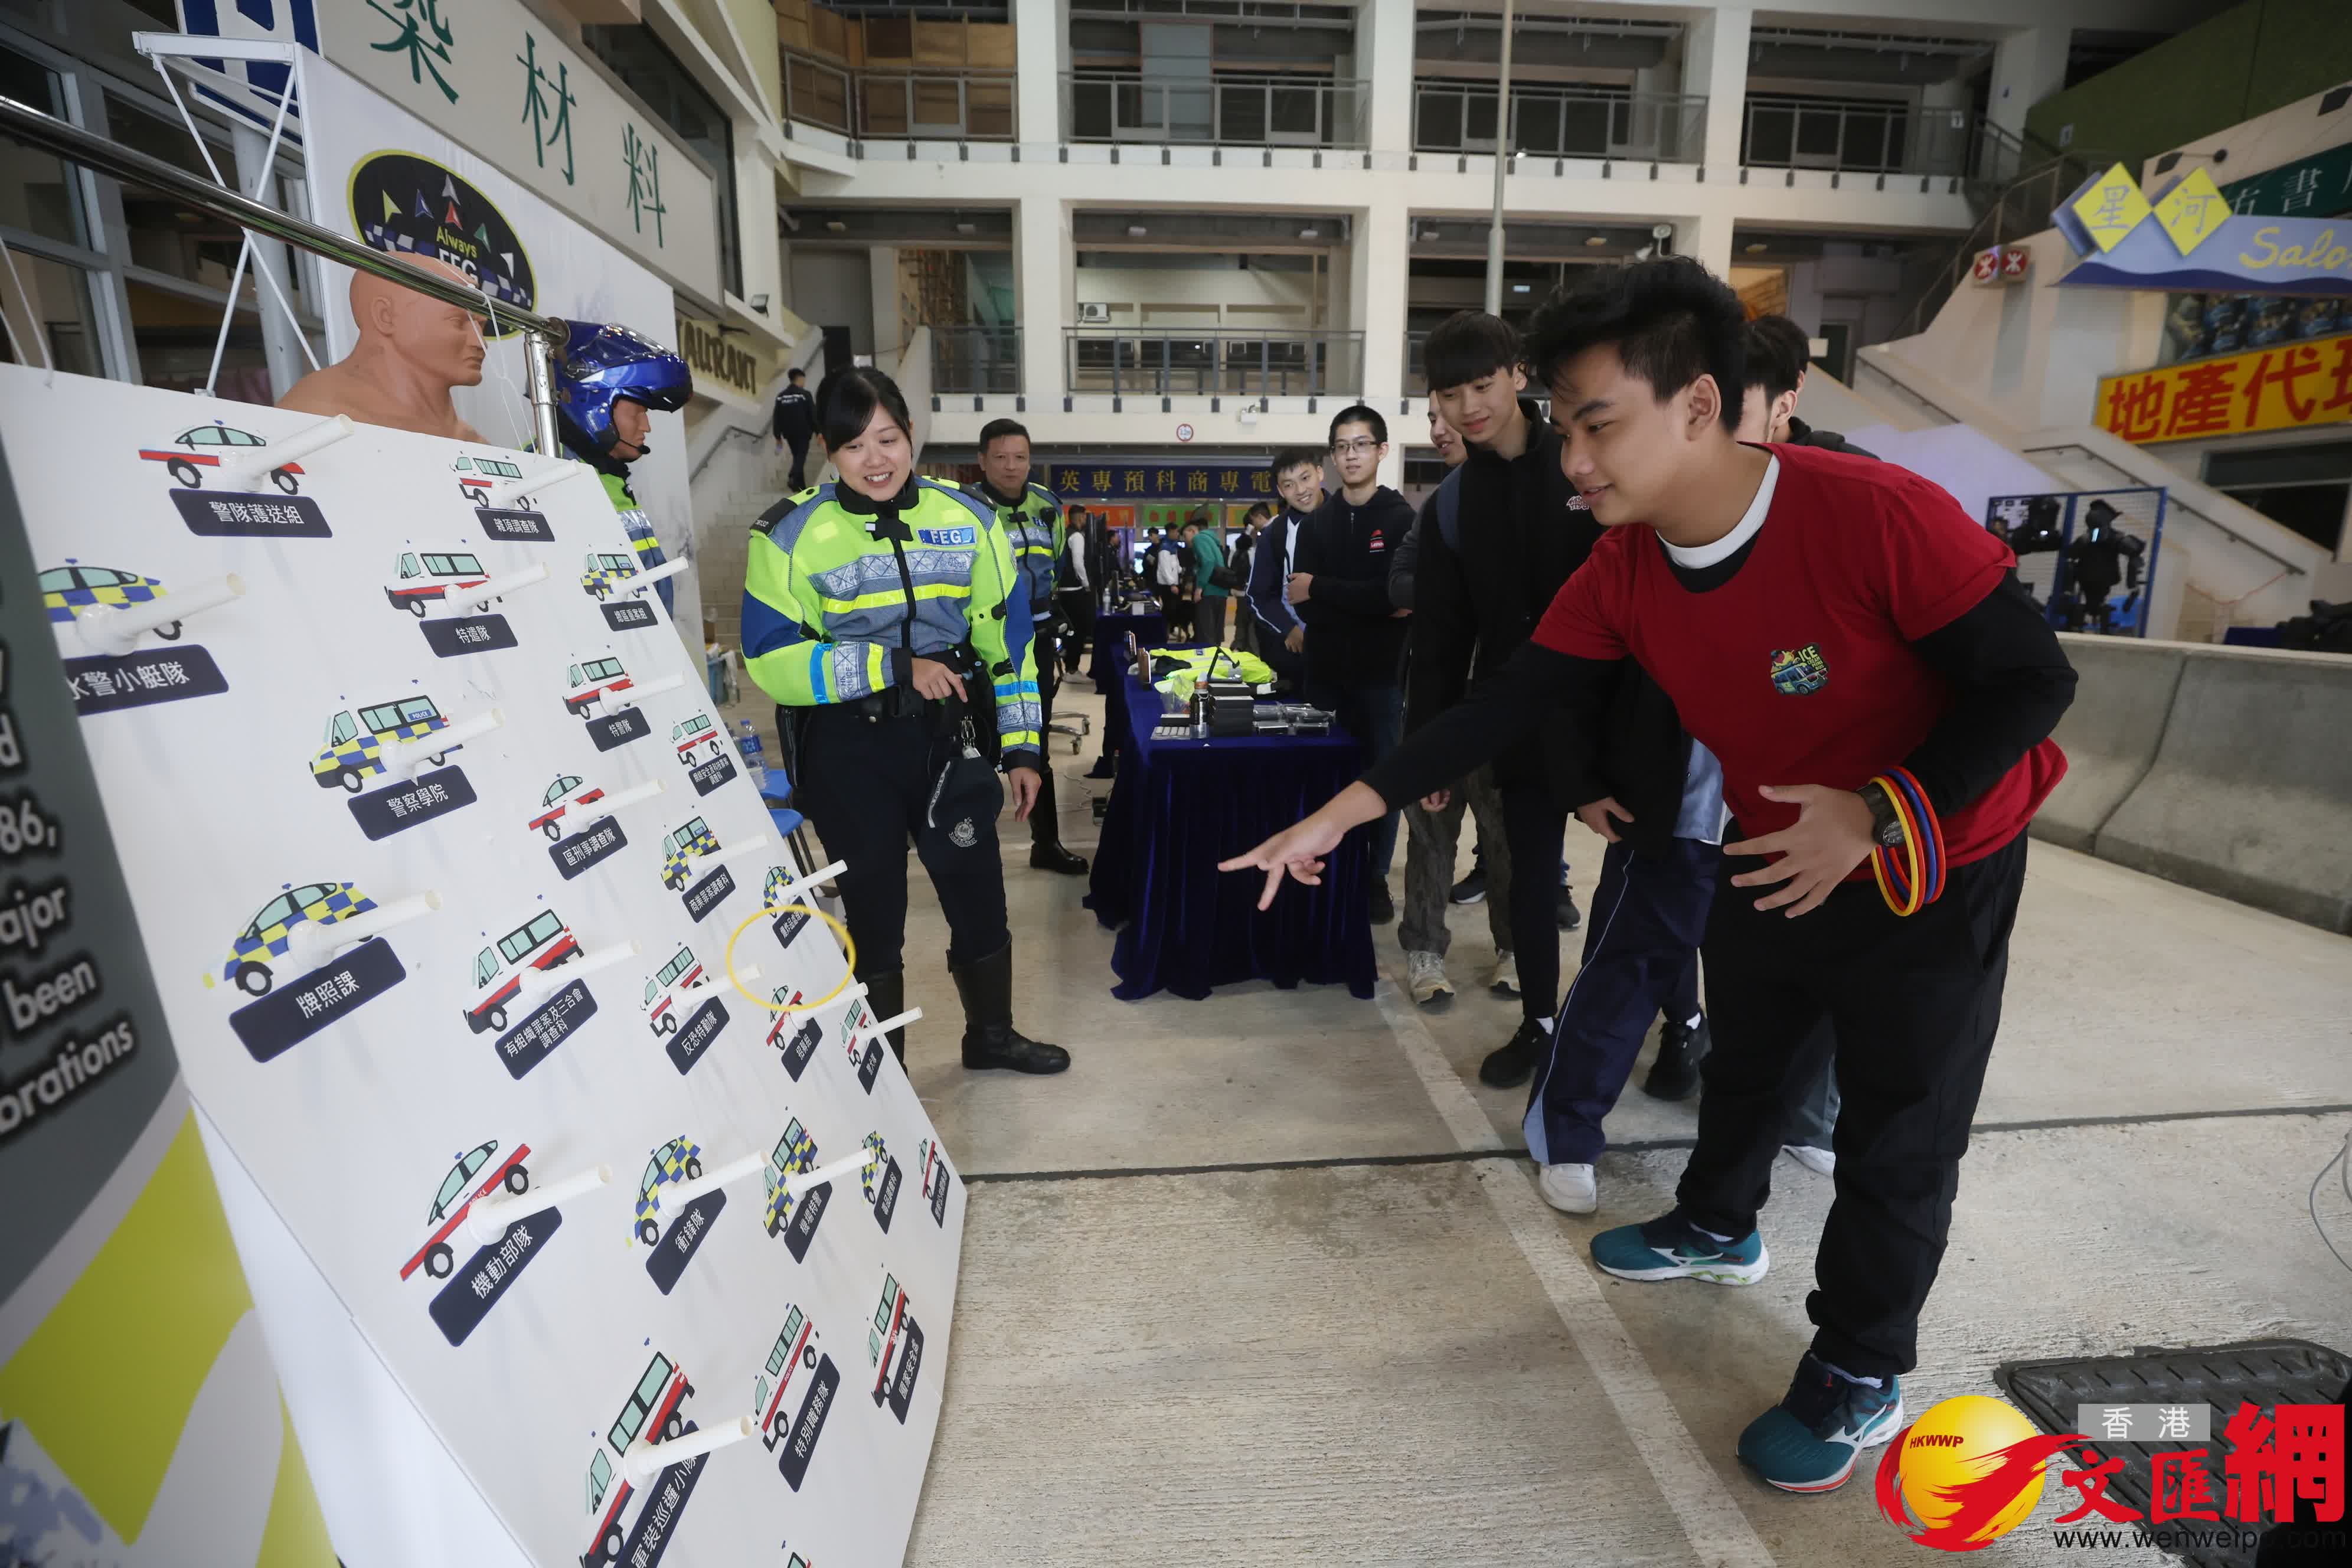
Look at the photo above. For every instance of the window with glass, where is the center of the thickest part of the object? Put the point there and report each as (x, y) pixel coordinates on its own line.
(669, 91)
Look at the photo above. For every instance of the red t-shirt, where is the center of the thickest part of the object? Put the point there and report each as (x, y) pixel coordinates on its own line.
(1799, 669)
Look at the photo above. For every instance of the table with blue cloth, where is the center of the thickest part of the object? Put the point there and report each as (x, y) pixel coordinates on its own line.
(1178, 807)
(1108, 661)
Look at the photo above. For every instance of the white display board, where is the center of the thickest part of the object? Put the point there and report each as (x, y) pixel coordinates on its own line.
(250, 756)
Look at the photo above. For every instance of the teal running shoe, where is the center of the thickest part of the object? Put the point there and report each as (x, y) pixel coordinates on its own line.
(1671, 1247)
(1811, 1441)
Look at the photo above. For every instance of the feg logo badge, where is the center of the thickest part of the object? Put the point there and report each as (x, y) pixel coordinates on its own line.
(104, 682)
(679, 1160)
(511, 976)
(361, 745)
(894, 1348)
(478, 1174)
(682, 1002)
(281, 1017)
(881, 1180)
(206, 452)
(633, 1524)
(794, 1219)
(591, 687)
(797, 1367)
(426, 579)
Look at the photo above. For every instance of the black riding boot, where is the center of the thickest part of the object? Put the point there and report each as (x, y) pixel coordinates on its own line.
(1045, 851)
(989, 1040)
(886, 997)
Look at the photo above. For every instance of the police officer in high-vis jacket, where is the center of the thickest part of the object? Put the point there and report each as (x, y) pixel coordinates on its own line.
(884, 614)
(1032, 519)
(605, 378)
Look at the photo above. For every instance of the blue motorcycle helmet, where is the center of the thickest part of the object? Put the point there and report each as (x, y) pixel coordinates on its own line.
(601, 363)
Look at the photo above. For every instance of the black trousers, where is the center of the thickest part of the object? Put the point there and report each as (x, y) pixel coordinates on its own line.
(865, 784)
(1045, 828)
(1915, 1003)
(1535, 826)
(1209, 620)
(800, 446)
(1078, 611)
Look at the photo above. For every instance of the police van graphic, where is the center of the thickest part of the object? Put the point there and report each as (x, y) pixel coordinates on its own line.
(698, 734)
(425, 578)
(269, 934)
(604, 571)
(543, 942)
(794, 1152)
(356, 739)
(456, 1198)
(476, 475)
(188, 454)
(653, 1410)
(666, 1000)
(795, 1351)
(679, 1160)
(68, 591)
(568, 791)
(590, 681)
(681, 846)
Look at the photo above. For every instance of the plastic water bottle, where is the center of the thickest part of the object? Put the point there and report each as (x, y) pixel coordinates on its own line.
(748, 741)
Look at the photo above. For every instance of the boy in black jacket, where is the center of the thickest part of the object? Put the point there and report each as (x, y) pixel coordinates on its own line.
(1510, 529)
(1355, 638)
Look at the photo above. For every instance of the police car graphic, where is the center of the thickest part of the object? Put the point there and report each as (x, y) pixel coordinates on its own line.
(201, 446)
(68, 591)
(877, 1156)
(794, 1152)
(795, 1351)
(698, 733)
(476, 475)
(456, 1198)
(569, 790)
(667, 999)
(679, 1160)
(269, 934)
(543, 942)
(799, 1029)
(680, 846)
(604, 571)
(590, 681)
(356, 739)
(654, 1410)
(425, 578)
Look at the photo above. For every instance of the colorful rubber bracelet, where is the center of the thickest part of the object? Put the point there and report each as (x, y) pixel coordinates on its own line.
(1900, 868)
(1932, 840)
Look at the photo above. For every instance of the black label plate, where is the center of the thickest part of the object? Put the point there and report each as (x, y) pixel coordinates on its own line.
(451, 636)
(250, 514)
(462, 1304)
(104, 683)
(436, 791)
(299, 1008)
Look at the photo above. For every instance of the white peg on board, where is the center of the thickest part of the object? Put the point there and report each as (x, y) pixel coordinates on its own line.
(539, 983)
(116, 628)
(644, 1462)
(875, 1030)
(635, 795)
(488, 1218)
(653, 688)
(498, 587)
(760, 849)
(800, 889)
(749, 973)
(412, 757)
(798, 1184)
(639, 581)
(313, 941)
(506, 492)
(681, 1194)
(294, 448)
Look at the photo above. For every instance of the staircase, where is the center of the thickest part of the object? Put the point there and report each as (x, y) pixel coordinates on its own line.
(2005, 213)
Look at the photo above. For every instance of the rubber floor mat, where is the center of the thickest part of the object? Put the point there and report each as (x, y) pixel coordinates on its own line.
(2263, 1373)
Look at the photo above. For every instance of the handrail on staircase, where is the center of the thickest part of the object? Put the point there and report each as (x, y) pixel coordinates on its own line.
(2061, 173)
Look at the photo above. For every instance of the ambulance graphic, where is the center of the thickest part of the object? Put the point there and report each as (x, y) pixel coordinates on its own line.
(425, 578)
(269, 934)
(356, 739)
(543, 942)
(794, 1152)
(682, 845)
(895, 1347)
(679, 1160)
(188, 454)
(695, 735)
(68, 591)
(666, 1000)
(655, 1409)
(568, 791)
(456, 1198)
(590, 681)
(795, 1351)
(602, 579)
(477, 475)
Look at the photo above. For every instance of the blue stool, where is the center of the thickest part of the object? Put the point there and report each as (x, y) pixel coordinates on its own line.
(776, 793)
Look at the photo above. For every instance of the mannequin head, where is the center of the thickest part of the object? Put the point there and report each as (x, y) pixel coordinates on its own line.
(435, 342)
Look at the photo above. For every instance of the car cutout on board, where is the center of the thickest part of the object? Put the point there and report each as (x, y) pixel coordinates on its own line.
(605, 569)
(568, 791)
(784, 996)
(591, 680)
(358, 737)
(681, 846)
(652, 1409)
(269, 934)
(68, 591)
(665, 992)
(452, 1203)
(428, 578)
(205, 446)
(690, 735)
(794, 1152)
(795, 1347)
(679, 1160)
(882, 1341)
(543, 942)
(476, 475)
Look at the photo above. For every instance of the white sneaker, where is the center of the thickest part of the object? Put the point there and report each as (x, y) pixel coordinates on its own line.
(1425, 977)
(1505, 981)
(1817, 1159)
(1569, 1188)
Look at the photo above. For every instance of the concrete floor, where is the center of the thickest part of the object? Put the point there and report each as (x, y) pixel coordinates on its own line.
(1259, 1281)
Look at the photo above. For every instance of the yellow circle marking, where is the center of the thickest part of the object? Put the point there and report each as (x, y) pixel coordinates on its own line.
(848, 958)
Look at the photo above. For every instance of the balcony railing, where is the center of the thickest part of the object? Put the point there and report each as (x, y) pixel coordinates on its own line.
(976, 360)
(1869, 138)
(1182, 363)
(899, 105)
(1231, 110)
(1560, 121)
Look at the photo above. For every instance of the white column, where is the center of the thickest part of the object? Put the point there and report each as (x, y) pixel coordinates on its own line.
(1041, 271)
(890, 329)
(1384, 41)
(1377, 262)
(1041, 52)
(2027, 68)
(1715, 62)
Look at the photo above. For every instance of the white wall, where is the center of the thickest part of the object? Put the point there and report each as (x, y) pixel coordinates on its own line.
(2265, 142)
(1197, 296)
(834, 289)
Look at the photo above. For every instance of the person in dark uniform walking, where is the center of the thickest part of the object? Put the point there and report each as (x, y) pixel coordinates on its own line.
(794, 423)
(883, 613)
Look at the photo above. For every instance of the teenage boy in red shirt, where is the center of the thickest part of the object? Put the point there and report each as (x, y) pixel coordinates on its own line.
(1845, 639)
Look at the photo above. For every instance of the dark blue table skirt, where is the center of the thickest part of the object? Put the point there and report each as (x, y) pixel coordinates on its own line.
(1177, 808)
(1110, 640)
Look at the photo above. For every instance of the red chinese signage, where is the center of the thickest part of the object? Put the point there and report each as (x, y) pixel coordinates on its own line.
(2280, 387)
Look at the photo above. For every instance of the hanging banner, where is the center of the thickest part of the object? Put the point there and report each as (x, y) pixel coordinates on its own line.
(1157, 481)
(2187, 240)
(2281, 388)
(140, 1418)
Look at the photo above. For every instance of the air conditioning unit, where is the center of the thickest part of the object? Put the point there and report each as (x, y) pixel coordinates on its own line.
(1094, 313)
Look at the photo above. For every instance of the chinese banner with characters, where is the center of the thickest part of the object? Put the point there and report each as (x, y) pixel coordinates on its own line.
(545, 1118)
(2188, 240)
(2278, 388)
(1124, 482)
(2317, 186)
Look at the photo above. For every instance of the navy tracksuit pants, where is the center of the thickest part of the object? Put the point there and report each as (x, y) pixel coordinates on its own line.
(1641, 944)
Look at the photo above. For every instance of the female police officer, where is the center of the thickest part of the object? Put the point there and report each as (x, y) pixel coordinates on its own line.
(882, 612)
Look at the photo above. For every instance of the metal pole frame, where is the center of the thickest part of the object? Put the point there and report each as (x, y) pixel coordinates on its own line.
(71, 142)
(1502, 165)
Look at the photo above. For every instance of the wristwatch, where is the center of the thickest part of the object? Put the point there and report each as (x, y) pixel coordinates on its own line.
(1885, 827)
